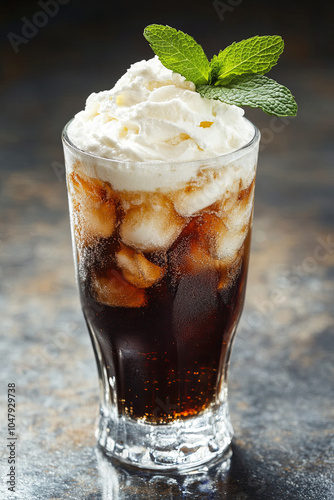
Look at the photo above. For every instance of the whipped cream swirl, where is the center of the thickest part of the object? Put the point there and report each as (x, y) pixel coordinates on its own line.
(153, 114)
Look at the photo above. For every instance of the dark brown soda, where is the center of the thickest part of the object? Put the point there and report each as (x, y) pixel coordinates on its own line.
(166, 355)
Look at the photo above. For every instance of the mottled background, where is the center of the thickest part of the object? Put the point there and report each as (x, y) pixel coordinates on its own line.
(281, 379)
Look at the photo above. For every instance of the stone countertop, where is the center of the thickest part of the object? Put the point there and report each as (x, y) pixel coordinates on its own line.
(281, 375)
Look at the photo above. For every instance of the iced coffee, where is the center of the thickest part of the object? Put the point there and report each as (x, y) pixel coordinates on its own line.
(161, 186)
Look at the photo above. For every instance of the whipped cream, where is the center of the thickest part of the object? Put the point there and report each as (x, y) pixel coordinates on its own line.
(153, 114)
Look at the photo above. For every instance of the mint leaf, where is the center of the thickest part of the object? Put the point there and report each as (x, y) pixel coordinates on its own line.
(178, 52)
(256, 91)
(255, 55)
(215, 67)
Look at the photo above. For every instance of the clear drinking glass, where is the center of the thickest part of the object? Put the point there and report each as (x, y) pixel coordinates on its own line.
(161, 254)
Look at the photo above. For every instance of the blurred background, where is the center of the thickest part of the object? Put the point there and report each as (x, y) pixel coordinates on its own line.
(54, 56)
(54, 53)
(82, 46)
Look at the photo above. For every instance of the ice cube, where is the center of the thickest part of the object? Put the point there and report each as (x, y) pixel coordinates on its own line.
(191, 257)
(133, 199)
(113, 290)
(239, 214)
(223, 243)
(94, 209)
(198, 251)
(227, 225)
(228, 244)
(227, 202)
(208, 188)
(97, 221)
(152, 225)
(136, 269)
(82, 186)
(229, 270)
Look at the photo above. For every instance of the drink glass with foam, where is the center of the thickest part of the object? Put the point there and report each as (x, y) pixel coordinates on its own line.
(161, 188)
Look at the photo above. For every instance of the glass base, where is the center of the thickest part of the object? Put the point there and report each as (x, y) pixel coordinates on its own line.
(182, 445)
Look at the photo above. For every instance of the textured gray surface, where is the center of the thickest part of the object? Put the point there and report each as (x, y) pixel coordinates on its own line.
(281, 377)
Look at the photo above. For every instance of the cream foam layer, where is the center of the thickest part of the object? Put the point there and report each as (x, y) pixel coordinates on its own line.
(150, 122)
(153, 114)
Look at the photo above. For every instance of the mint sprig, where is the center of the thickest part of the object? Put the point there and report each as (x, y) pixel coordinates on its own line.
(256, 55)
(234, 76)
(179, 52)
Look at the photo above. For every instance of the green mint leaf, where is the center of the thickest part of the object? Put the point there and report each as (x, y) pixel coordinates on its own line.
(256, 91)
(256, 55)
(178, 52)
(215, 66)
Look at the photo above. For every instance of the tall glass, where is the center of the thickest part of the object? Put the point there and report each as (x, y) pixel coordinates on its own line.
(161, 253)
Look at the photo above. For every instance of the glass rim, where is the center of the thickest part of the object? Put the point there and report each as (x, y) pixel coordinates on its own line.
(159, 163)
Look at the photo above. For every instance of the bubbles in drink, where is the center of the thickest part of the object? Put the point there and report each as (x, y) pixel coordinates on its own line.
(162, 278)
